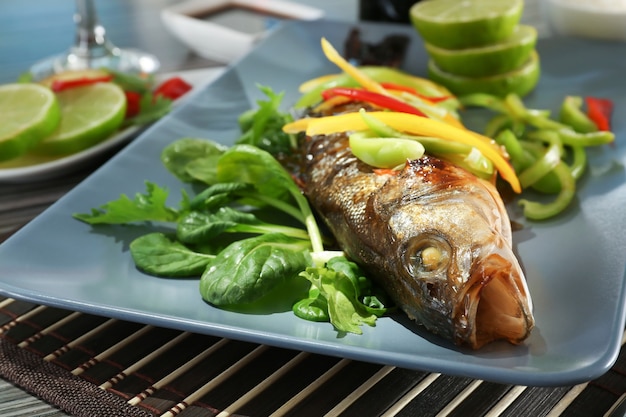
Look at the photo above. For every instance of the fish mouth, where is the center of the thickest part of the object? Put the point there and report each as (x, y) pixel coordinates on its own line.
(495, 304)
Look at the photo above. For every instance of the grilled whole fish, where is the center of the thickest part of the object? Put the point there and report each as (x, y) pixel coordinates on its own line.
(434, 236)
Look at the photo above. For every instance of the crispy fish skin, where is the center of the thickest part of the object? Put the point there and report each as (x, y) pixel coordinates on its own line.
(435, 237)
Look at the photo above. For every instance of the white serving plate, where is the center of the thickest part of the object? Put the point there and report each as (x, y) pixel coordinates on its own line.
(33, 168)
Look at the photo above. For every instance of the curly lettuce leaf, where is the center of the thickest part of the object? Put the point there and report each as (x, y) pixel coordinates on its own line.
(150, 206)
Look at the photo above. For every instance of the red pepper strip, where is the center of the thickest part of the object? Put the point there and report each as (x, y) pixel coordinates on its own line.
(398, 87)
(173, 88)
(60, 84)
(599, 110)
(377, 99)
(133, 100)
(411, 90)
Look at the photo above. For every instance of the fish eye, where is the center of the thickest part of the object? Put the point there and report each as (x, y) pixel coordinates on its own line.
(427, 256)
(431, 258)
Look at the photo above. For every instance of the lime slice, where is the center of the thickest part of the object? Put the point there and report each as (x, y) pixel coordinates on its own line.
(89, 115)
(493, 59)
(28, 113)
(457, 24)
(520, 81)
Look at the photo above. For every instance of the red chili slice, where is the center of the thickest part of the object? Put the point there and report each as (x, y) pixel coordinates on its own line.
(173, 88)
(380, 100)
(599, 110)
(60, 85)
(133, 103)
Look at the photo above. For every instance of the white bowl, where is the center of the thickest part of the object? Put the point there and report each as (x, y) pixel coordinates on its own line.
(224, 30)
(599, 19)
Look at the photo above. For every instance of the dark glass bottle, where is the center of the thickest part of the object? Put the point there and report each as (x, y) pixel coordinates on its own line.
(396, 11)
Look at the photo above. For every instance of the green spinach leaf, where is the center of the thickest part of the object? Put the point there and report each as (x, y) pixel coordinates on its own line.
(197, 227)
(191, 159)
(249, 269)
(161, 255)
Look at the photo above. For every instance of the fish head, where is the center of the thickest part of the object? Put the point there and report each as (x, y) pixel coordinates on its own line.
(458, 273)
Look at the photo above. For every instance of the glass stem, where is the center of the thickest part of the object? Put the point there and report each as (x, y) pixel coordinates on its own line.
(91, 41)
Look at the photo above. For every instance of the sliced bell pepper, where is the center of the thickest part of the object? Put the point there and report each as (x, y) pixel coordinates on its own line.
(366, 82)
(133, 103)
(411, 90)
(541, 211)
(380, 100)
(573, 115)
(423, 86)
(411, 124)
(173, 88)
(330, 103)
(314, 83)
(599, 110)
(540, 168)
(384, 153)
(65, 84)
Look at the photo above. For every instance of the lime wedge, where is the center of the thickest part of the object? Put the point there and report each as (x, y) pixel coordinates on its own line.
(497, 58)
(457, 24)
(28, 113)
(89, 115)
(520, 81)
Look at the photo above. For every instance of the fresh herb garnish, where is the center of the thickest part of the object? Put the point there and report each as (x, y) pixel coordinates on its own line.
(140, 93)
(258, 256)
(263, 127)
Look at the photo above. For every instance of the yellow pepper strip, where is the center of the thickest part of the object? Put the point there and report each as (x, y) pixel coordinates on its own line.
(313, 83)
(364, 80)
(331, 102)
(429, 108)
(453, 121)
(360, 77)
(411, 124)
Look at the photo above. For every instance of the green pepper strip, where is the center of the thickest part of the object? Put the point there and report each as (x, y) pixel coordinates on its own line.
(550, 159)
(433, 145)
(502, 122)
(518, 157)
(540, 211)
(458, 153)
(550, 183)
(380, 128)
(537, 118)
(572, 138)
(389, 153)
(579, 161)
(473, 161)
(550, 137)
(573, 115)
(484, 100)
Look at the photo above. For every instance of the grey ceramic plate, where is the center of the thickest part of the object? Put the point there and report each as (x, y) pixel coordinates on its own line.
(574, 264)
